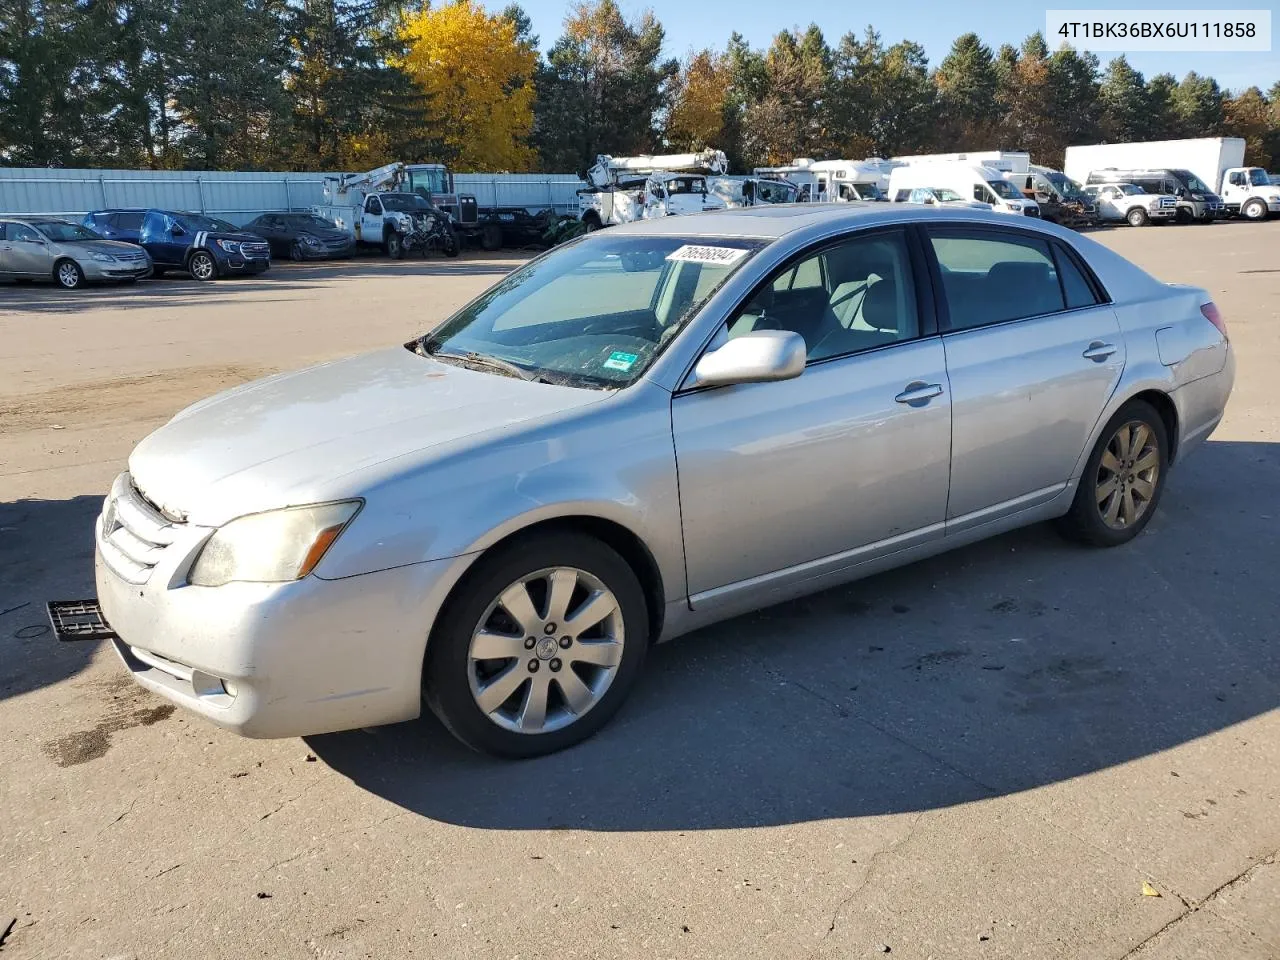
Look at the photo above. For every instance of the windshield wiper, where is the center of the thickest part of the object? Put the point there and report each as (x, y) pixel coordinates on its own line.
(492, 363)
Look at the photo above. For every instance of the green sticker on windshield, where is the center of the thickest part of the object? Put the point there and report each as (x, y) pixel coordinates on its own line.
(621, 361)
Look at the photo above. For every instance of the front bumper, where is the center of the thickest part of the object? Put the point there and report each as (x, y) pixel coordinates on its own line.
(96, 270)
(277, 660)
(234, 263)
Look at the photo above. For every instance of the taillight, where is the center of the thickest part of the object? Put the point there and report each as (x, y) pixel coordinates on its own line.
(1210, 311)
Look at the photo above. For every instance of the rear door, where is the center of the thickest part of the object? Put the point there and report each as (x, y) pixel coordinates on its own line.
(160, 240)
(1033, 352)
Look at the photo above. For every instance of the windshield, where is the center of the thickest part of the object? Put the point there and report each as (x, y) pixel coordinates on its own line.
(1258, 178)
(1069, 189)
(403, 202)
(60, 232)
(775, 191)
(1129, 189)
(1005, 189)
(594, 312)
(868, 191)
(198, 221)
(945, 195)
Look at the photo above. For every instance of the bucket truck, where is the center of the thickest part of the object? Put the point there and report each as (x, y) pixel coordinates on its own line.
(375, 209)
(624, 189)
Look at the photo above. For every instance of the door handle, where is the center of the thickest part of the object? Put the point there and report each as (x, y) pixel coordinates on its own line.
(1099, 351)
(918, 393)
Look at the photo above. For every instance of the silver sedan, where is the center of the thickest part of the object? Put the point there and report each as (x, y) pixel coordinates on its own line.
(43, 248)
(639, 433)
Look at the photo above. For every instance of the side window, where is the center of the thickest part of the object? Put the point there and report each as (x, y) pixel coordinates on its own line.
(921, 195)
(978, 192)
(865, 298)
(3, 228)
(21, 232)
(991, 278)
(373, 205)
(1237, 179)
(128, 221)
(1074, 285)
(903, 195)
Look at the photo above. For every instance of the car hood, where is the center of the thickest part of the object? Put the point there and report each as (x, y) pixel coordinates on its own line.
(323, 432)
(239, 236)
(112, 247)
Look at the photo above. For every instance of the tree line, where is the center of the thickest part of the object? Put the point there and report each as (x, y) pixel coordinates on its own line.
(352, 84)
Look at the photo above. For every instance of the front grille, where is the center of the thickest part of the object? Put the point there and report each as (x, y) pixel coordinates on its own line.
(130, 256)
(255, 250)
(1168, 202)
(134, 533)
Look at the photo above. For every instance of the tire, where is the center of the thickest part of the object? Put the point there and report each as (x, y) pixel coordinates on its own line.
(451, 246)
(1254, 210)
(1087, 521)
(593, 223)
(1137, 217)
(128, 281)
(295, 252)
(393, 246)
(1184, 215)
(454, 682)
(491, 237)
(68, 275)
(202, 266)
(156, 273)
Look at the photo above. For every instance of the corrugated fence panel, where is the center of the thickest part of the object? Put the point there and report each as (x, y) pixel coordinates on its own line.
(239, 197)
(234, 196)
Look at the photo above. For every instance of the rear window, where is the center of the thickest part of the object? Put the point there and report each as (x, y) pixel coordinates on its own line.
(130, 220)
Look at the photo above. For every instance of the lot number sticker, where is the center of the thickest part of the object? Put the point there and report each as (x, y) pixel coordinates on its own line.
(719, 256)
(620, 361)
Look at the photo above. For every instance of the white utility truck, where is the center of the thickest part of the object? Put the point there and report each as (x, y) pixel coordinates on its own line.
(971, 182)
(1125, 201)
(354, 203)
(833, 181)
(626, 189)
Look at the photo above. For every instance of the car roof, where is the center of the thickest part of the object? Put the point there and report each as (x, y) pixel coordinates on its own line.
(775, 221)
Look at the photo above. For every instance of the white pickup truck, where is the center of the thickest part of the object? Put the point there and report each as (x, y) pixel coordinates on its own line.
(1124, 201)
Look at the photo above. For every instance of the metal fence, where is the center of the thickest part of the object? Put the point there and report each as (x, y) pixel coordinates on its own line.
(239, 197)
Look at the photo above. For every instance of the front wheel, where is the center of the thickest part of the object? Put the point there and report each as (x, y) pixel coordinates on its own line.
(539, 646)
(393, 244)
(202, 266)
(1254, 210)
(1122, 480)
(295, 251)
(68, 275)
(451, 248)
(1137, 217)
(491, 237)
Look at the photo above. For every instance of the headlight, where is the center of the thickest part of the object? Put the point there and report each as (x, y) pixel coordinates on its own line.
(274, 547)
(309, 240)
(231, 246)
(104, 258)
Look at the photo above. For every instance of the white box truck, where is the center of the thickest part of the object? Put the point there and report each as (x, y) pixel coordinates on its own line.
(1192, 170)
(1006, 161)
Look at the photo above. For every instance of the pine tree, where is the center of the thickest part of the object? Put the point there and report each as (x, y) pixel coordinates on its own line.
(1198, 102)
(1126, 109)
(967, 83)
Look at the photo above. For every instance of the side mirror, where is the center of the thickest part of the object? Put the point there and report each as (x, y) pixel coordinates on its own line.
(757, 357)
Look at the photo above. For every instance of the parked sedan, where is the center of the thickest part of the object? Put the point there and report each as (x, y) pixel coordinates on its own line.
(641, 432)
(302, 236)
(68, 254)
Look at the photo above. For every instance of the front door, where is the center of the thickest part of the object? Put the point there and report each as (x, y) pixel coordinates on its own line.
(1033, 355)
(26, 252)
(371, 225)
(786, 480)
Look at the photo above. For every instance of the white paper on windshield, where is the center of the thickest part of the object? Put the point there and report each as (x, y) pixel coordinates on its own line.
(717, 256)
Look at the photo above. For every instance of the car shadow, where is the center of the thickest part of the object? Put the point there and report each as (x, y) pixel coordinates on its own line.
(46, 553)
(1014, 663)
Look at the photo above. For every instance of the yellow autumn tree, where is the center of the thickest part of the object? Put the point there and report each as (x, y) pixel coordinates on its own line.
(478, 77)
(697, 113)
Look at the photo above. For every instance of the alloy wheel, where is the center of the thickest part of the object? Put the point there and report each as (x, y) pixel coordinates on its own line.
(1128, 475)
(546, 650)
(69, 275)
(202, 266)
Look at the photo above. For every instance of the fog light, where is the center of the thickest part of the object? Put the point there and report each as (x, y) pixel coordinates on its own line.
(229, 687)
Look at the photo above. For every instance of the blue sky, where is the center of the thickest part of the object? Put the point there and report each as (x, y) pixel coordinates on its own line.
(931, 23)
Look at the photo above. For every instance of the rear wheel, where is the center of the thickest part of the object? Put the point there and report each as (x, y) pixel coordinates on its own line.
(202, 266)
(1122, 480)
(1254, 210)
(539, 646)
(1137, 217)
(68, 275)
